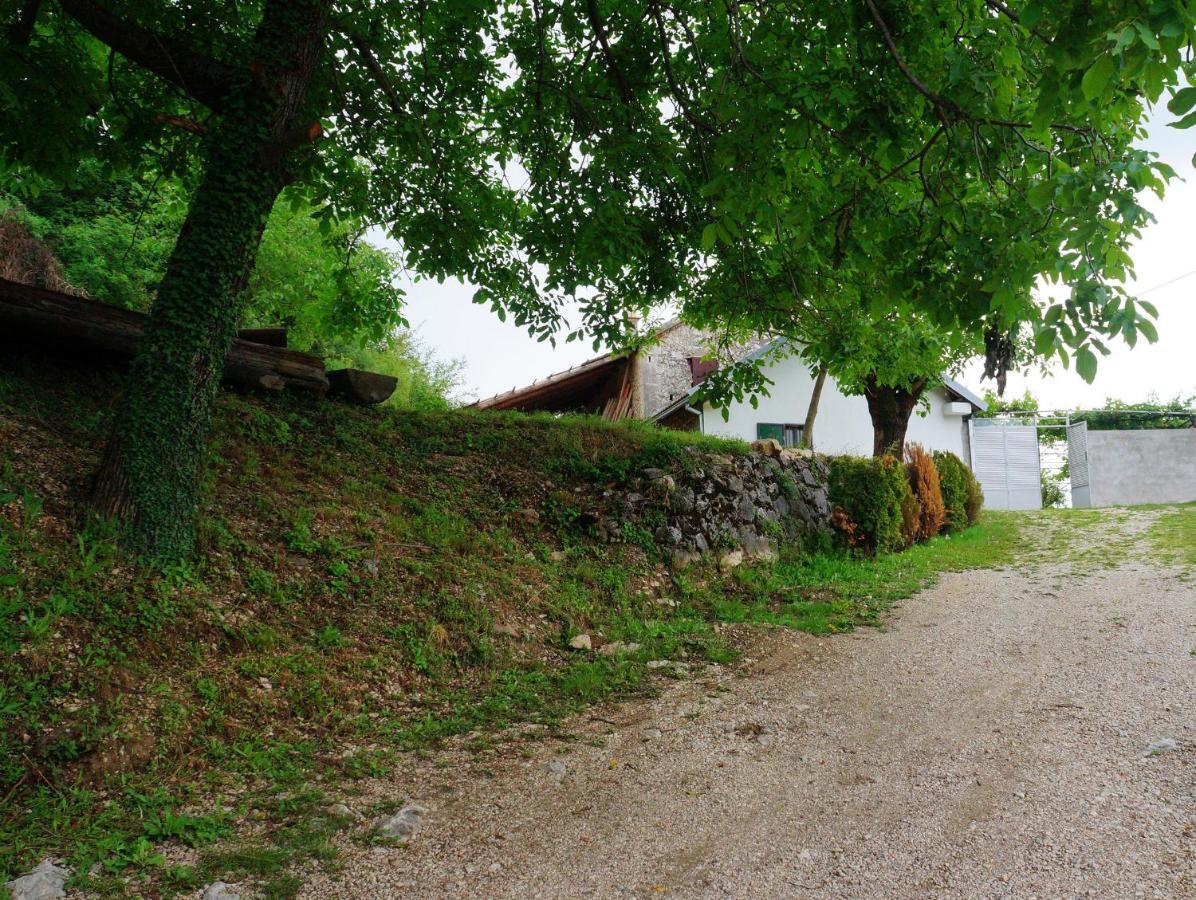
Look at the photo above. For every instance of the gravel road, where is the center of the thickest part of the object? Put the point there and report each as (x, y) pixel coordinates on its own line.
(990, 741)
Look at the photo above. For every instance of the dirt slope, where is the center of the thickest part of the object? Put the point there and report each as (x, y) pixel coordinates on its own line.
(991, 742)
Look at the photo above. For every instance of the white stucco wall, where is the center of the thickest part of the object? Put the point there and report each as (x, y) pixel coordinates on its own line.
(842, 425)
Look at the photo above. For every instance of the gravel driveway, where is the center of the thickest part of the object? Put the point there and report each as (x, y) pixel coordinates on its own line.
(991, 741)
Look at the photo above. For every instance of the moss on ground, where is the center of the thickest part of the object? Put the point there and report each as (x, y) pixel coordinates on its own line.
(369, 583)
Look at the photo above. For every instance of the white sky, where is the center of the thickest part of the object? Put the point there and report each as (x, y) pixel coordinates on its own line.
(499, 356)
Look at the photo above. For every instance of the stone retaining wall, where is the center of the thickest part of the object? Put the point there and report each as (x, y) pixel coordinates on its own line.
(723, 503)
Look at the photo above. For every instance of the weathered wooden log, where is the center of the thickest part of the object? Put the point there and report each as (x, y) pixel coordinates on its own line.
(357, 386)
(60, 321)
(271, 337)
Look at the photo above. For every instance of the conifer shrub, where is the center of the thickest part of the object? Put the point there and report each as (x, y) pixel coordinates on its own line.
(962, 496)
(924, 482)
(870, 502)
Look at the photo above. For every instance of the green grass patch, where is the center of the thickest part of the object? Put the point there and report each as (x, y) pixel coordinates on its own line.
(831, 591)
(1172, 536)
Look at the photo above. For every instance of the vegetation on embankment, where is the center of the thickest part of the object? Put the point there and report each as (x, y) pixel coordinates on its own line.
(370, 582)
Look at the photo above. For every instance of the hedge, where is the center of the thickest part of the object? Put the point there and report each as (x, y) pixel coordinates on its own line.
(872, 505)
(961, 491)
(924, 482)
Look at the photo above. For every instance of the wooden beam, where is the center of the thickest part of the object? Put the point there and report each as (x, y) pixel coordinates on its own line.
(59, 321)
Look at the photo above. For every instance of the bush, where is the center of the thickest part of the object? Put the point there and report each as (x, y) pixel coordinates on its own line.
(1052, 492)
(924, 482)
(962, 496)
(871, 502)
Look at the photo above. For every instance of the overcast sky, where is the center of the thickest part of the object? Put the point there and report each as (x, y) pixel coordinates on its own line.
(499, 356)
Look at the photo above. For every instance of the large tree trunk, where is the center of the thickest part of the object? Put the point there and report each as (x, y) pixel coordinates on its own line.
(148, 479)
(890, 408)
(807, 431)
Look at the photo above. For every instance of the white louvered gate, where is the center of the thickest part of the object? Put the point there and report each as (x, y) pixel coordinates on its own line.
(1077, 463)
(1006, 463)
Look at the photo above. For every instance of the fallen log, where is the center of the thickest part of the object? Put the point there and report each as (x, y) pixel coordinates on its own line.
(357, 386)
(62, 322)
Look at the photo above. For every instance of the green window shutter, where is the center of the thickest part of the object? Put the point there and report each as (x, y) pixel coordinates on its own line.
(766, 430)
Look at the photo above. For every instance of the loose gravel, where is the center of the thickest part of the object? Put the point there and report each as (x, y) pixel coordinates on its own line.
(1015, 733)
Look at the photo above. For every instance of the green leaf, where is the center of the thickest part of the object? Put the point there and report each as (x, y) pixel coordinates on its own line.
(1086, 364)
(1148, 329)
(1182, 101)
(1096, 79)
(709, 236)
(1186, 122)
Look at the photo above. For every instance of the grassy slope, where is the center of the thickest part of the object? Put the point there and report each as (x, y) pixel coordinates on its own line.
(355, 565)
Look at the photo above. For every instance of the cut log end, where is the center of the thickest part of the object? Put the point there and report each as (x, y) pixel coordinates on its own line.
(356, 386)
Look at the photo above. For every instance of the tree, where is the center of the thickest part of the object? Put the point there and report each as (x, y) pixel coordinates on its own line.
(551, 150)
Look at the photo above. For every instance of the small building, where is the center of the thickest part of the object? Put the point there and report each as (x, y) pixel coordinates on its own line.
(660, 383)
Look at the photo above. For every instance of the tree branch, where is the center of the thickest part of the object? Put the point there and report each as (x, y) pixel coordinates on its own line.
(600, 33)
(201, 77)
(361, 45)
(941, 103)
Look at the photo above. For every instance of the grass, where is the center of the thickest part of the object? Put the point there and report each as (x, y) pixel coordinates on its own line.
(1173, 536)
(369, 583)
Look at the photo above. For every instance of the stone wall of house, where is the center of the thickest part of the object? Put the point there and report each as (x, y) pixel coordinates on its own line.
(734, 506)
(664, 367)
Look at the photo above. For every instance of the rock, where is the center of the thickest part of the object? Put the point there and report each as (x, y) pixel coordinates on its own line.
(558, 555)
(746, 508)
(1161, 746)
(668, 534)
(343, 811)
(264, 684)
(581, 642)
(730, 560)
(403, 825)
(556, 767)
(218, 890)
(767, 447)
(45, 882)
(372, 566)
(657, 663)
(618, 647)
(684, 558)
(651, 734)
(682, 500)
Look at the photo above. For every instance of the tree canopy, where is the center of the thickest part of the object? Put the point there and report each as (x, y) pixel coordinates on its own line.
(733, 156)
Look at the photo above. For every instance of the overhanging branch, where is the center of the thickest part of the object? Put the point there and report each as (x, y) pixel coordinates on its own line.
(197, 75)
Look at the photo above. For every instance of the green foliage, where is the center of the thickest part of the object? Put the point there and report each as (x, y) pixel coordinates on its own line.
(872, 502)
(961, 491)
(1052, 492)
(1117, 415)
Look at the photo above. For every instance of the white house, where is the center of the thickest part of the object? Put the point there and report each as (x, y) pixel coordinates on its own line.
(660, 383)
(842, 425)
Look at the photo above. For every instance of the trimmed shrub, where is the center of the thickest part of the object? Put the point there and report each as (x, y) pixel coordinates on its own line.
(924, 482)
(870, 499)
(961, 492)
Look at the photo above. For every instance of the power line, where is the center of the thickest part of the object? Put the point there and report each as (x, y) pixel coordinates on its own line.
(1166, 283)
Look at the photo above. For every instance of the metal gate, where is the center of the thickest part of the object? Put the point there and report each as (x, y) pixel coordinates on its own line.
(1006, 463)
(1077, 464)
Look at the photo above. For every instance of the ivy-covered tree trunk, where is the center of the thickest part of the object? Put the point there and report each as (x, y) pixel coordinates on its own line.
(890, 408)
(148, 479)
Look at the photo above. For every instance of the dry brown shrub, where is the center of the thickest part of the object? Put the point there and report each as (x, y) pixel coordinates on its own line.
(26, 259)
(924, 482)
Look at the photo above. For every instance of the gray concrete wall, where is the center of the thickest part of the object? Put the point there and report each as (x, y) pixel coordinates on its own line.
(1156, 465)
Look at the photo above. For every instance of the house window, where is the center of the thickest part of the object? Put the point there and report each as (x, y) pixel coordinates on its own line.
(699, 368)
(785, 435)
